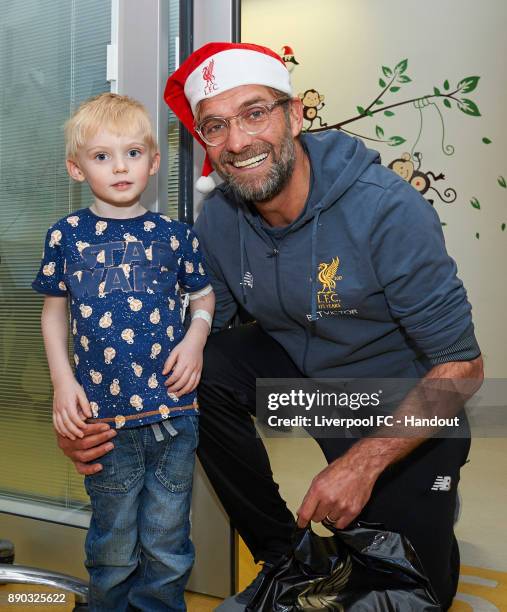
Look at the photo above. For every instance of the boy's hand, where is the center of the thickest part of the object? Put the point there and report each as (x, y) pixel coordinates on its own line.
(70, 408)
(185, 361)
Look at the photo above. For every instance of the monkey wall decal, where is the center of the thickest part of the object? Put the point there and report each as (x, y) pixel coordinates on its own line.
(313, 102)
(405, 167)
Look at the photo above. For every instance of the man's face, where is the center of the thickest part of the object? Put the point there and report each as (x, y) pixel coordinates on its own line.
(117, 168)
(256, 167)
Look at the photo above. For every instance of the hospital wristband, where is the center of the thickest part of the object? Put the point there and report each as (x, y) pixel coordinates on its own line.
(203, 314)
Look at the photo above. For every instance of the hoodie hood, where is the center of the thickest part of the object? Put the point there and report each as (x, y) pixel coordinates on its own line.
(336, 162)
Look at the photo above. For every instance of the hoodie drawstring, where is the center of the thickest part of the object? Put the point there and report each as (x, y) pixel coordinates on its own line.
(241, 221)
(313, 277)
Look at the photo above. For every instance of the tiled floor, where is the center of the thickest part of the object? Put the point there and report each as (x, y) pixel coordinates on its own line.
(201, 603)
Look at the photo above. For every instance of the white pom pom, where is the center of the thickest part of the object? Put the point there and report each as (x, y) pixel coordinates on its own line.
(205, 184)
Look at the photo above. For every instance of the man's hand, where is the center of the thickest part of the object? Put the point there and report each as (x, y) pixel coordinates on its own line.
(93, 445)
(339, 492)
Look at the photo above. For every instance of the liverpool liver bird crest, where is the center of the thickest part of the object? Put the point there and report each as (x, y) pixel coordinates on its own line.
(327, 273)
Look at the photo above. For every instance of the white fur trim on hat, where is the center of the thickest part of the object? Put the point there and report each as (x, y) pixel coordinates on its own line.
(205, 184)
(232, 68)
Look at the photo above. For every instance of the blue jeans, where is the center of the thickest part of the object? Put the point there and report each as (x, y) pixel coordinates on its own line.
(138, 549)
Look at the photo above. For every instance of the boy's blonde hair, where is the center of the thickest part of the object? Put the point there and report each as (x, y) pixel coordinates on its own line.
(119, 114)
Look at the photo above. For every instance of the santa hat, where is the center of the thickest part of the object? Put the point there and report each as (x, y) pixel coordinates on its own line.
(213, 69)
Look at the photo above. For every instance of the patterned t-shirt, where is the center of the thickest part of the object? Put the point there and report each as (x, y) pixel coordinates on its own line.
(123, 276)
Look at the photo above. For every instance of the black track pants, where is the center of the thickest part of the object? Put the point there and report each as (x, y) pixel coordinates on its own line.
(237, 464)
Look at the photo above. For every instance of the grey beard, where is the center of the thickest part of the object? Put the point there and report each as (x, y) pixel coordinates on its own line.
(279, 174)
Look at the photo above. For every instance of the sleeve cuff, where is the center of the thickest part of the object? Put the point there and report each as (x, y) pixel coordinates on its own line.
(47, 291)
(197, 286)
(465, 348)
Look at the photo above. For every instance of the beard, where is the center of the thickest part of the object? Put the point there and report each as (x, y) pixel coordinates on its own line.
(265, 187)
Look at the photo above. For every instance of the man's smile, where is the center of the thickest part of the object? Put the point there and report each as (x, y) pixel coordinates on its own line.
(251, 162)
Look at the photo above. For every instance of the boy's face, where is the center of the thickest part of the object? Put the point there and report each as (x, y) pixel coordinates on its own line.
(116, 168)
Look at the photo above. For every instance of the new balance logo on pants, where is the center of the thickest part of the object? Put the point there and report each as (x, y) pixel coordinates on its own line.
(442, 483)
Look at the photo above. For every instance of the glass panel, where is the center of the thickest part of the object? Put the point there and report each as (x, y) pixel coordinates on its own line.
(52, 57)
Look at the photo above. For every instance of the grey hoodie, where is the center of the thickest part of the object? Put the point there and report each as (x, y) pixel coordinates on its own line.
(360, 285)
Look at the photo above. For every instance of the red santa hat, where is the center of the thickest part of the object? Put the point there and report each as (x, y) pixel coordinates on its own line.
(213, 69)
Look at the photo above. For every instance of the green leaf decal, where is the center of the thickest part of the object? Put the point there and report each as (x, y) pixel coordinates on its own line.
(369, 113)
(379, 102)
(469, 107)
(477, 235)
(436, 91)
(486, 141)
(402, 66)
(388, 113)
(468, 84)
(387, 71)
(379, 131)
(394, 89)
(394, 141)
(382, 83)
(475, 203)
(501, 182)
(503, 227)
(404, 79)
(443, 223)
(360, 110)
(447, 103)
(446, 85)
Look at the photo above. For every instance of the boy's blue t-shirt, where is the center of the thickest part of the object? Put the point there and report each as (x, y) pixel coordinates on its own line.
(122, 276)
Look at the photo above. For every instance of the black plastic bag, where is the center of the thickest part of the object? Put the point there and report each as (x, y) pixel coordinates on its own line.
(363, 569)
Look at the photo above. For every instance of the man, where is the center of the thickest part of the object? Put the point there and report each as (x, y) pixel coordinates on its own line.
(293, 206)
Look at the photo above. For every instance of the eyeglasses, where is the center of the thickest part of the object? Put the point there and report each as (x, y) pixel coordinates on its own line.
(253, 120)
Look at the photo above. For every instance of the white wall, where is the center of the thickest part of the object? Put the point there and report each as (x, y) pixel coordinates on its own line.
(341, 46)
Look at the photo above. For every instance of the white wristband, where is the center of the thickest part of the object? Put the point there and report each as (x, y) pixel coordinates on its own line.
(203, 314)
(201, 293)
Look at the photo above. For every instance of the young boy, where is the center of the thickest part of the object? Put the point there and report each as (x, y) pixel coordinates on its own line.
(121, 266)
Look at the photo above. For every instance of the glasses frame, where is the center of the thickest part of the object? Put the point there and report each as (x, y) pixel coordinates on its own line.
(268, 107)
